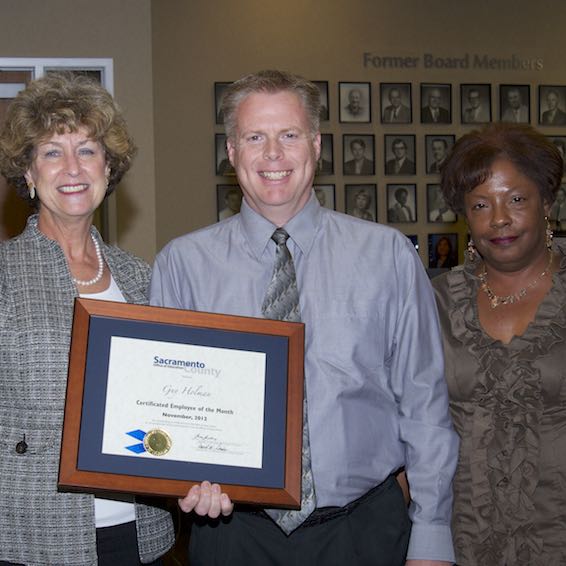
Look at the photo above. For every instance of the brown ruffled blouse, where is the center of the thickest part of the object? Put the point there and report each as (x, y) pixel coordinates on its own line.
(508, 402)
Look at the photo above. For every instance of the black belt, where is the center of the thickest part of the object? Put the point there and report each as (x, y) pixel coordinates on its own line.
(324, 514)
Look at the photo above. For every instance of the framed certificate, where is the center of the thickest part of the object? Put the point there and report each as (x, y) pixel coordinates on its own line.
(160, 399)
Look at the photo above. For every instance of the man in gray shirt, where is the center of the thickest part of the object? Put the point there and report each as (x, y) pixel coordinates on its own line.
(377, 400)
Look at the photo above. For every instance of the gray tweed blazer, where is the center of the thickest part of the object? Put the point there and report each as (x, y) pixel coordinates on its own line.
(38, 525)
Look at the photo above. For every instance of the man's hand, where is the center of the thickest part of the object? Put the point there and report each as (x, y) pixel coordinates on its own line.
(207, 499)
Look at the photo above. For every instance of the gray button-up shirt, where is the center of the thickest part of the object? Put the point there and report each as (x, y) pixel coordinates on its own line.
(377, 397)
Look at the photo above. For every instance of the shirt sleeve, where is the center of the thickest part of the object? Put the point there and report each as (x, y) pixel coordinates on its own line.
(431, 444)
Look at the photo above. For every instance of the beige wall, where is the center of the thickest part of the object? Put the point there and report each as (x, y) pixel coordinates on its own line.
(118, 29)
(197, 43)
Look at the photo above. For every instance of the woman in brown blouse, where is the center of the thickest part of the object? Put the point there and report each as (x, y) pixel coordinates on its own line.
(503, 315)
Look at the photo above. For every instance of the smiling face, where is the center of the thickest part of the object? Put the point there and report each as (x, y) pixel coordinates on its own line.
(275, 154)
(438, 150)
(358, 150)
(399, 150)
(362, 201)
(395, 97)
(552, 100)
(434, 98)
(514, 99)
(355, 100)
(474, 99)
(505, 215)
(69, 173)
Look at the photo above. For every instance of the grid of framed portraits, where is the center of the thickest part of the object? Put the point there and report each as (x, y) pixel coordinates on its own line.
(383, 146)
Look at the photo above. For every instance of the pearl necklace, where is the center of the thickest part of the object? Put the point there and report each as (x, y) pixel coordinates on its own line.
(496, 300)
(100, 271)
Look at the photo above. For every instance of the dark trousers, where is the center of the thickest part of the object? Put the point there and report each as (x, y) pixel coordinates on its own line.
(118, 546)
(375, 532)
(115, 546)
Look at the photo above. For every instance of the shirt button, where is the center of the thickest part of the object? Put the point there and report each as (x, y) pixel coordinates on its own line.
(21, 446)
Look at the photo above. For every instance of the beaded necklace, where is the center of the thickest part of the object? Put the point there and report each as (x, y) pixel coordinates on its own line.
(496, 300)
(100, 271)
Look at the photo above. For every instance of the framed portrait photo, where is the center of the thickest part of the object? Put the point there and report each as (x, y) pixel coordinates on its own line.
(358, 154)
(399, 154)
(361, 201)
(325, 164)
(436, 103)
(219, 89)
(355, 102)
(396, 106)
(324, 102)
(223, 165)
(326, 195)
(560, 143)
(436, 207)
(514, 104)
(475, 103)
(557, 214)
(442, 251)
(228, 200)
(552, 105)
(437, 148)
(401, 203)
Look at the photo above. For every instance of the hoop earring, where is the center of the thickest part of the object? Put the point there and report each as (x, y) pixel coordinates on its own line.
(549, 234)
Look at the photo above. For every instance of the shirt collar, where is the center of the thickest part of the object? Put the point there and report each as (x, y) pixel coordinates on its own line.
(301, 228)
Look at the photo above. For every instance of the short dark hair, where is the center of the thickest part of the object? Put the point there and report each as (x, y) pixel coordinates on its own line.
(472, 156)
(270, 82)
(441, 140)
(398, 141)
(359, 141)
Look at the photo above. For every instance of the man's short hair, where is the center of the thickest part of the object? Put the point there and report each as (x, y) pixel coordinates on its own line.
(398, 141)
(441, 140)
(359, 141)
(401, 190)
(270, 82)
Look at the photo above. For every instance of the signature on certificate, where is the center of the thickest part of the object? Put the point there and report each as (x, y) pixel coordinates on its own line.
(209, 443)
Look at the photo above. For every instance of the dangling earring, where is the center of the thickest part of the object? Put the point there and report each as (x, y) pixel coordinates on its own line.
(32, 192)
(472, 251)
(549, 234)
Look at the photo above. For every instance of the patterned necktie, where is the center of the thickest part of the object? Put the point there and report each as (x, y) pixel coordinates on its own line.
(282, 303)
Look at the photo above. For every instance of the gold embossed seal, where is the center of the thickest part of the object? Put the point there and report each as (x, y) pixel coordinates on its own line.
(157, 442)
